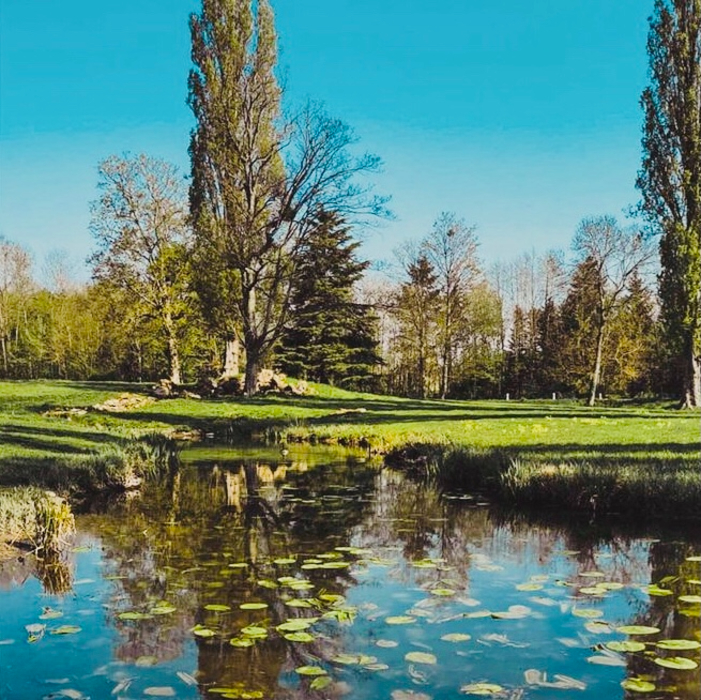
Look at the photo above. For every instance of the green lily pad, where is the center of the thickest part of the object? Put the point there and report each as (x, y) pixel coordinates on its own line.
(298, 637)
(657, 591)
(284, 560)
(529, 586)
(444, 592)
(254, 632)
(677, 662)
(251, 606)
(202, 631)
(320, 683)
(298, 603)
(311, 671)
(637, 629)
(693, 599)
(400, 620)
(587, 612)
(638, 685)
(678, 644)
(456, 637)
(482, 689)
(131, 615)
(242, 642)
(296, 625)
(625, 646)
(213, 607)
(163, 608)
(420, 657)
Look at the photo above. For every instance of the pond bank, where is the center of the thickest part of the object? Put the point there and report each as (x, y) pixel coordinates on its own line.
(640, 459)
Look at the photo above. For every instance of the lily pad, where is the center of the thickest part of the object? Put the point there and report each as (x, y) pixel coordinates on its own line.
(400, 620)
(625, 646)
(444, 592)
(217, 608)
(637, 630)
(678, 644)
(163, 608)
(677, 662)
(386, 643)
(420, 657)
(605, 660)
(589, 613)
(482, 689)
(693, 599)
(638, 685)
(296, 625)
(657, 591)
(251, 606)
(311, 671)
(161, 691)
(242, 642)
(204, 632)
(320, 683)
(456, 637)
(298, 637)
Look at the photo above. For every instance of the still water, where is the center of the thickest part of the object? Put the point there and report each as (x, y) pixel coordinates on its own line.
(315, 574)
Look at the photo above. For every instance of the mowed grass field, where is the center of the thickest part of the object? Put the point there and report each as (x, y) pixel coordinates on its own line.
(536, 430)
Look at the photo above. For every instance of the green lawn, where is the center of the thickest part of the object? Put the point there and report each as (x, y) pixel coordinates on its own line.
(530, 451)
(540, 429)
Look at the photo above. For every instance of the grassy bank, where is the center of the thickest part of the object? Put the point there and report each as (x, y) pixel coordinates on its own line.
(533, 451)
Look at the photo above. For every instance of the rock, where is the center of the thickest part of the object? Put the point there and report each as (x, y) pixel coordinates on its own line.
(230, 386)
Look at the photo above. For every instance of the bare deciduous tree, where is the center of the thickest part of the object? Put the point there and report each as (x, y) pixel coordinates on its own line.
(140, 227)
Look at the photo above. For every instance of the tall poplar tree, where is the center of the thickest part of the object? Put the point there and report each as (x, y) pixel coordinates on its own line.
(670, 178)
(258, 179)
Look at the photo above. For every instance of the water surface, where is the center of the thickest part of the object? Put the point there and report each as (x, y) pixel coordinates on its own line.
(354, 582)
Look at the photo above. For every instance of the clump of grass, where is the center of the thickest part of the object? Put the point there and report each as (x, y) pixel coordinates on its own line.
(650, 490)
(35, 517)
(668, 488)
(116, 466)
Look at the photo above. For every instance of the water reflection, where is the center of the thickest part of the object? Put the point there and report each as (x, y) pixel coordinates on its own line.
(382, 585)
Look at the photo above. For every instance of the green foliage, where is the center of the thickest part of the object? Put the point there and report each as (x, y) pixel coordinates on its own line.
(331, 337)
(670, 179)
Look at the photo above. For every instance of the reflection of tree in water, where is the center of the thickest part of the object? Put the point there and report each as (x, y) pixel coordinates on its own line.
(209, 537)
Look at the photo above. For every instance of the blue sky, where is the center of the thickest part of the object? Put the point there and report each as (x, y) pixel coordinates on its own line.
(522, 117)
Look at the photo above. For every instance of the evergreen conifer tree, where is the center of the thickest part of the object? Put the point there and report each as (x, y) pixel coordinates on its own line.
(330, 337)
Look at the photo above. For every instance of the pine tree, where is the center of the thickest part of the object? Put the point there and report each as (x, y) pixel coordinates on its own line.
(579, 326)
(330, 337)
(416, 310)
(549, 347)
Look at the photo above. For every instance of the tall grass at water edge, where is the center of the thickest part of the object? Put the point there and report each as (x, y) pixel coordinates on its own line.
(661, 487)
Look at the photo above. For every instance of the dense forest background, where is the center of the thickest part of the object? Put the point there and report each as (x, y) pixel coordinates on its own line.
(435, 323)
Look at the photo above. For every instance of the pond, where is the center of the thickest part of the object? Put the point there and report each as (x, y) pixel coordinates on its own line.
(316, 574)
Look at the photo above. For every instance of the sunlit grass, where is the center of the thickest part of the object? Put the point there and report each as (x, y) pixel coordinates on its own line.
(650, 439)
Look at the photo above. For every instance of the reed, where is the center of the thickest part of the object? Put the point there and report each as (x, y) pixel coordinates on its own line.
(35, 517)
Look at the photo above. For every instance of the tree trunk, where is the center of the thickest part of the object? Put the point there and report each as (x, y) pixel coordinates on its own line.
(250, 384)
(596, 376)
(173, 352)
(692, 377)
(232, 356)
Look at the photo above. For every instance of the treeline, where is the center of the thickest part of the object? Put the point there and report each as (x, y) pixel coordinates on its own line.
(440, 326)
(252, 262)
